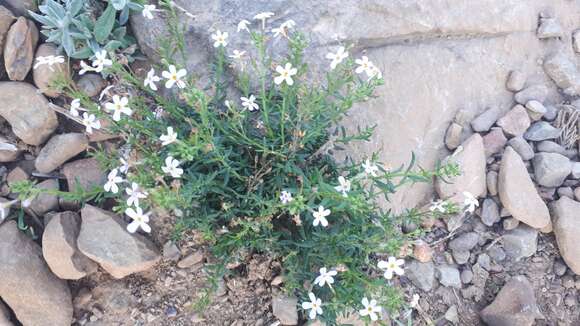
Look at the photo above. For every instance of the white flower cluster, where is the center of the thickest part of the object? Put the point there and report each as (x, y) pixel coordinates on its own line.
(48, 60)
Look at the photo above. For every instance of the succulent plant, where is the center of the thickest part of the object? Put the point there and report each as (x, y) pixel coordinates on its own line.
(68, 24)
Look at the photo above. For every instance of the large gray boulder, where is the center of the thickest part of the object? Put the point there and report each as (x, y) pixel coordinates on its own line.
(37, 297)
(518, 193)
(425, 82)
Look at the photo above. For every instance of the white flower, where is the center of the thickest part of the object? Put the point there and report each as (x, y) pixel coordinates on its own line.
(320, 216)
(159, 112)
(237, 55)
(470, 202)
(85, 68)
(263, 16)
(151, 79)
(337, 57)
(414, 301)
(90, 122)
(112, 180)
(48, 60)
(75, 106)
(286, 197)
(228, 104)
(174, 77)
(105, 92)
(124, 166)
(140, 220)
(325, 277)
(374, 72)
(315, 306)
(370, 309)
(289, 24)
(148, 11)
(391, 267)
(286, 74)
(249, 103)
(343, 186)
(438, 206)
(259, 124)
(364, 65)
(101, 61)
(243, 25)
(370, 168)
(170, 138)
(220, 39)
(135, 193)
(119, 105)
(171, 167)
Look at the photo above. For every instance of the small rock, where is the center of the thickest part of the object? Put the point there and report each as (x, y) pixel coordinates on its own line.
(566, 192)
(484, 121)
(564, 73)
(551, 113)
(471, 158)
(9, 152)
(568, 282)
(20, 7)
(191, 260)
(491, 180)
(549, 28)
(510, 223)
(449, 276)
(484, 261)
(170, 251)
(504, 212)
(515, 122)
(453, 136)
(27, 111)
(421, 274)
(520, 242)
(541, 130)
(466, 276)
(45, 75)
(566, 229)
(461, 256)
(284, 308)
(559, 268)
(82, 299)
(85, 173)
(464, 242)
(477, 290)
(497, 254)
(36, 296)
(452, 315)
(516, 81)
(6, 19)
(16, 175)
(576, 41)
(422, 251)
(170, 312)
(19, 48)
(91, 84)
(518, 193)
(536, 110)
(45, 202)
(576, 170)
(551, 169)
(104, 239)
(494, 142)
(59, 149)
(489, 212)
(535, 92)
(550, 147)
(514, 305)
(570, 300)
(522, 147)
(59, 247)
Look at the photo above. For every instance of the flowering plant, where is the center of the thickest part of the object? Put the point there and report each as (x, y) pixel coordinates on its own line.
(254, 172)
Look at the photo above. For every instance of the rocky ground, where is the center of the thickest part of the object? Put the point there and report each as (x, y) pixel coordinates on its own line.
(513, 262)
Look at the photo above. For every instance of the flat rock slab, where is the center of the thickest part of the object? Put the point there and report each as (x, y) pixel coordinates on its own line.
(37, 297)
(567, 229)
(518, 193)
(104, 239)
(514, 305)
(27, 111)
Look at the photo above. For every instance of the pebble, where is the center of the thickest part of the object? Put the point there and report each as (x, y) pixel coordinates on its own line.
(170, 312)
(510, 223)
(494, 141)
(551, 169)
(564, 72)
(171, 251)
(516, 81)
(522, 147)
(86, 173)
(549, 28)
(59, 149)
(520, 242)
(566, 229)
(91, 84)
(422, 251)
(466, 276)
(541, 130)
(559, 268)
(550, 147)
(422, 275)
(484, 261)
(484, 121)
(45, 202)
(570, 300)
(497, 254)
(575, 170)
(453, 136)
(515, 122)
(566, 192)
(461, 257)
(491, 180)
(568, 281)
(536, 110)
(452, 315)
(534, 92)
(19, 48)
(449, 276)
(551, 113)
(191, 260)
(9, 151)
(489, 212)
(464, 242)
